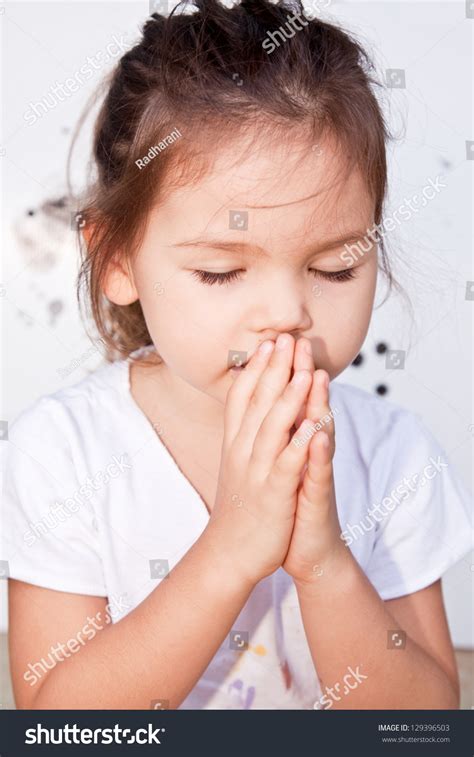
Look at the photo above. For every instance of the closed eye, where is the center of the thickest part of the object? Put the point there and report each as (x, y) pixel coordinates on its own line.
(210, 278)
(207, 277)
(344, 275)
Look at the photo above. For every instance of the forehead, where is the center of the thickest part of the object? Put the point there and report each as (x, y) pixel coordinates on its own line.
(277, 191)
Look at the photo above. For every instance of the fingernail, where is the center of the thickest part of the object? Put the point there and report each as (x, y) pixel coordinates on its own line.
(266, 347)
(324, 380)
(298, 377)
(282, 342)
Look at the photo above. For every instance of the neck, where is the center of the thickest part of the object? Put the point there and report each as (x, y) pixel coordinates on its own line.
(162, 394)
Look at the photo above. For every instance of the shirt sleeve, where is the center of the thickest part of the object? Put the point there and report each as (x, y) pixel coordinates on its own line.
(48, 525)
(423, 511)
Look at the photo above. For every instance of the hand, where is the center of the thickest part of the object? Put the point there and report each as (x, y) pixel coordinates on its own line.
(315, 543)
(303, 360)
(252, 519)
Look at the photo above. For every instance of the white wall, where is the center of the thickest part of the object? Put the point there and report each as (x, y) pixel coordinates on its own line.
(48, 42)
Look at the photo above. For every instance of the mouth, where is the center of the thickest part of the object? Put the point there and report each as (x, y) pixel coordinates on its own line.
(238, 368)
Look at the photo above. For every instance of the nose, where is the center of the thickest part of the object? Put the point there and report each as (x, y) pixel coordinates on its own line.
(281, 306)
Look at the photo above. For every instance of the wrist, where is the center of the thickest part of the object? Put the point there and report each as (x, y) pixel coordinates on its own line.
(224, 566)
(335, 572)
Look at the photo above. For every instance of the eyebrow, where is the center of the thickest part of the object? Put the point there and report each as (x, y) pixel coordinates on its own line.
(254, 249)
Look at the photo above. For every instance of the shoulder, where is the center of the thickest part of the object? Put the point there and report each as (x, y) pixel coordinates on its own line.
(68, 410)
(403, 508)
(56, 477)
(381, 439)
(358, 401)
(72, 430)
(372, 422)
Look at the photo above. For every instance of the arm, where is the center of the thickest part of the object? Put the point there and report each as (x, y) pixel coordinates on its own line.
(171, 637)
(347, 625)
(161, 648)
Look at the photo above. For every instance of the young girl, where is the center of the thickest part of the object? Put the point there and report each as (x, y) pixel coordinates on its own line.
(191, 491)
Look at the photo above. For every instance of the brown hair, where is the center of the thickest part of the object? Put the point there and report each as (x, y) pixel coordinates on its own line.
(207, 73)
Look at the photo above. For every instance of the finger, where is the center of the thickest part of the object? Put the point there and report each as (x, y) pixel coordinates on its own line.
(243, 388)
(289, 465)
(268, 389)
(272, 436)
(318, 482)
(303, 360)
(318, 408)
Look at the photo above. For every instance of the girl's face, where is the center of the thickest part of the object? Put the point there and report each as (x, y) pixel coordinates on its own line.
(266, 248)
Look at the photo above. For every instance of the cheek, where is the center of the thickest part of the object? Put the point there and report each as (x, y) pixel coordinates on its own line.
(341, 321)
(186, 332)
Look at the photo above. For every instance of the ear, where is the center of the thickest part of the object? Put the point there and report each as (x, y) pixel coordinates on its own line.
(118, 283)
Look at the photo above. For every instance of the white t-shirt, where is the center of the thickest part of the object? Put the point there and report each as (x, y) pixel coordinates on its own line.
(95, 504)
